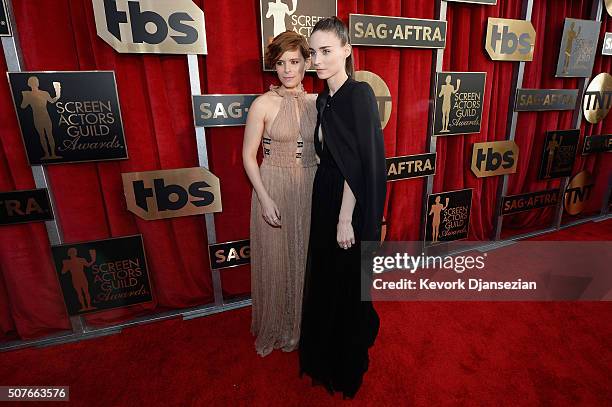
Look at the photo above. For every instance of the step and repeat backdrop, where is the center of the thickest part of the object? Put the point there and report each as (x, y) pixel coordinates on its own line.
(104, 101)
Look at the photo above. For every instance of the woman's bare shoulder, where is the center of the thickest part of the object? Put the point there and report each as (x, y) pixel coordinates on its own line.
(263, 101)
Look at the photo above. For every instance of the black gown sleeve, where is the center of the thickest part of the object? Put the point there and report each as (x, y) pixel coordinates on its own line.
(371, 149)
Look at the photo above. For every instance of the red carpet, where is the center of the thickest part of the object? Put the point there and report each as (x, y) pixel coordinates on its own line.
(427, 354)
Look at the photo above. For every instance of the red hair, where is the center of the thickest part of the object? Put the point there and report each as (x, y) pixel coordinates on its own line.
(283, 42)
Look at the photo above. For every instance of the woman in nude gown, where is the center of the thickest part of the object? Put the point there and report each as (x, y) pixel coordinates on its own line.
(282, 120)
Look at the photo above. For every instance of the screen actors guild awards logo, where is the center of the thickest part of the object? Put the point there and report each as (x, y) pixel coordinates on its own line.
(459, 102)
(448, 216)
(278, 11)
(446, 92)
(112, 274)
(559, 153)
(76, 267)
(435, 211)
(578, 48)
(37, 100)
(569, 45)
(278, 16)
(68, 116)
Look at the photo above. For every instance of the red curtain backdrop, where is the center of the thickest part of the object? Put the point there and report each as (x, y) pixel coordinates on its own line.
(156, 109)
(548, 19)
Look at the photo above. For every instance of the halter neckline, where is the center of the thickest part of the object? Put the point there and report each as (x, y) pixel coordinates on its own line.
(284, 92)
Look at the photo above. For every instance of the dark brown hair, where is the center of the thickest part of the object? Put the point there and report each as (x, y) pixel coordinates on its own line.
(335, 25)
(283, 42)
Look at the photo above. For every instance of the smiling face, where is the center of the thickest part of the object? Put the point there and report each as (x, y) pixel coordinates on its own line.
(290, 68)
(327, 53)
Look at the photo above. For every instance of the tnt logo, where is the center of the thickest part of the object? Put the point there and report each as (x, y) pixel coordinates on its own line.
(381, 93)
(578, 192)
(151, 26)
(510, 40)
(496, 158)
(172, 193)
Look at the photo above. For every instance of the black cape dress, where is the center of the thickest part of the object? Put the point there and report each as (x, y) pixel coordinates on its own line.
(337, 326)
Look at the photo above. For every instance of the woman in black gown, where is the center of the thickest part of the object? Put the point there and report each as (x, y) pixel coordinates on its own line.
(349, 192)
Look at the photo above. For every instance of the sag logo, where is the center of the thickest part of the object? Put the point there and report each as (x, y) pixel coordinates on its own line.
(510, 40)
(578, 192)
(151, 26)
(494, 158)
(172, 193)
(607, 45)
(229, 254)
(221, 110)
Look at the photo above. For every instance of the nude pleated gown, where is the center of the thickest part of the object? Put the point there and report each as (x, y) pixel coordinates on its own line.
(278, 254)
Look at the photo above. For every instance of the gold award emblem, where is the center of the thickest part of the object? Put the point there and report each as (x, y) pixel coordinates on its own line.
(381, 92)
(598, 98)
(578, 192)
(510, 40)
(609, 7)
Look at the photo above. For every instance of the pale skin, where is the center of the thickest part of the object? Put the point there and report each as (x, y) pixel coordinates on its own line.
(290, 69)
(328, 57)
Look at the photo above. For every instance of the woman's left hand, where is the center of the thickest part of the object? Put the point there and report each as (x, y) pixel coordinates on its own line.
(345, 235)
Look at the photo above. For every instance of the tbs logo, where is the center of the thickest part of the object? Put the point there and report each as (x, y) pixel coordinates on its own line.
(510, 40)
(496, 158)
(151, 26)
(172, 193)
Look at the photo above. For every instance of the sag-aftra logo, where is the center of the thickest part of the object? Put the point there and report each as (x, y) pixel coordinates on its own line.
(510, 40)
(151, 26)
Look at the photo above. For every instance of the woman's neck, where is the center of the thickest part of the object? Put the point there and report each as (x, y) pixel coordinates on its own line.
(335, 82)
(295, 89)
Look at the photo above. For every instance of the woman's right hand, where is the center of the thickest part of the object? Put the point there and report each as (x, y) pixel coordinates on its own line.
(270, 212)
